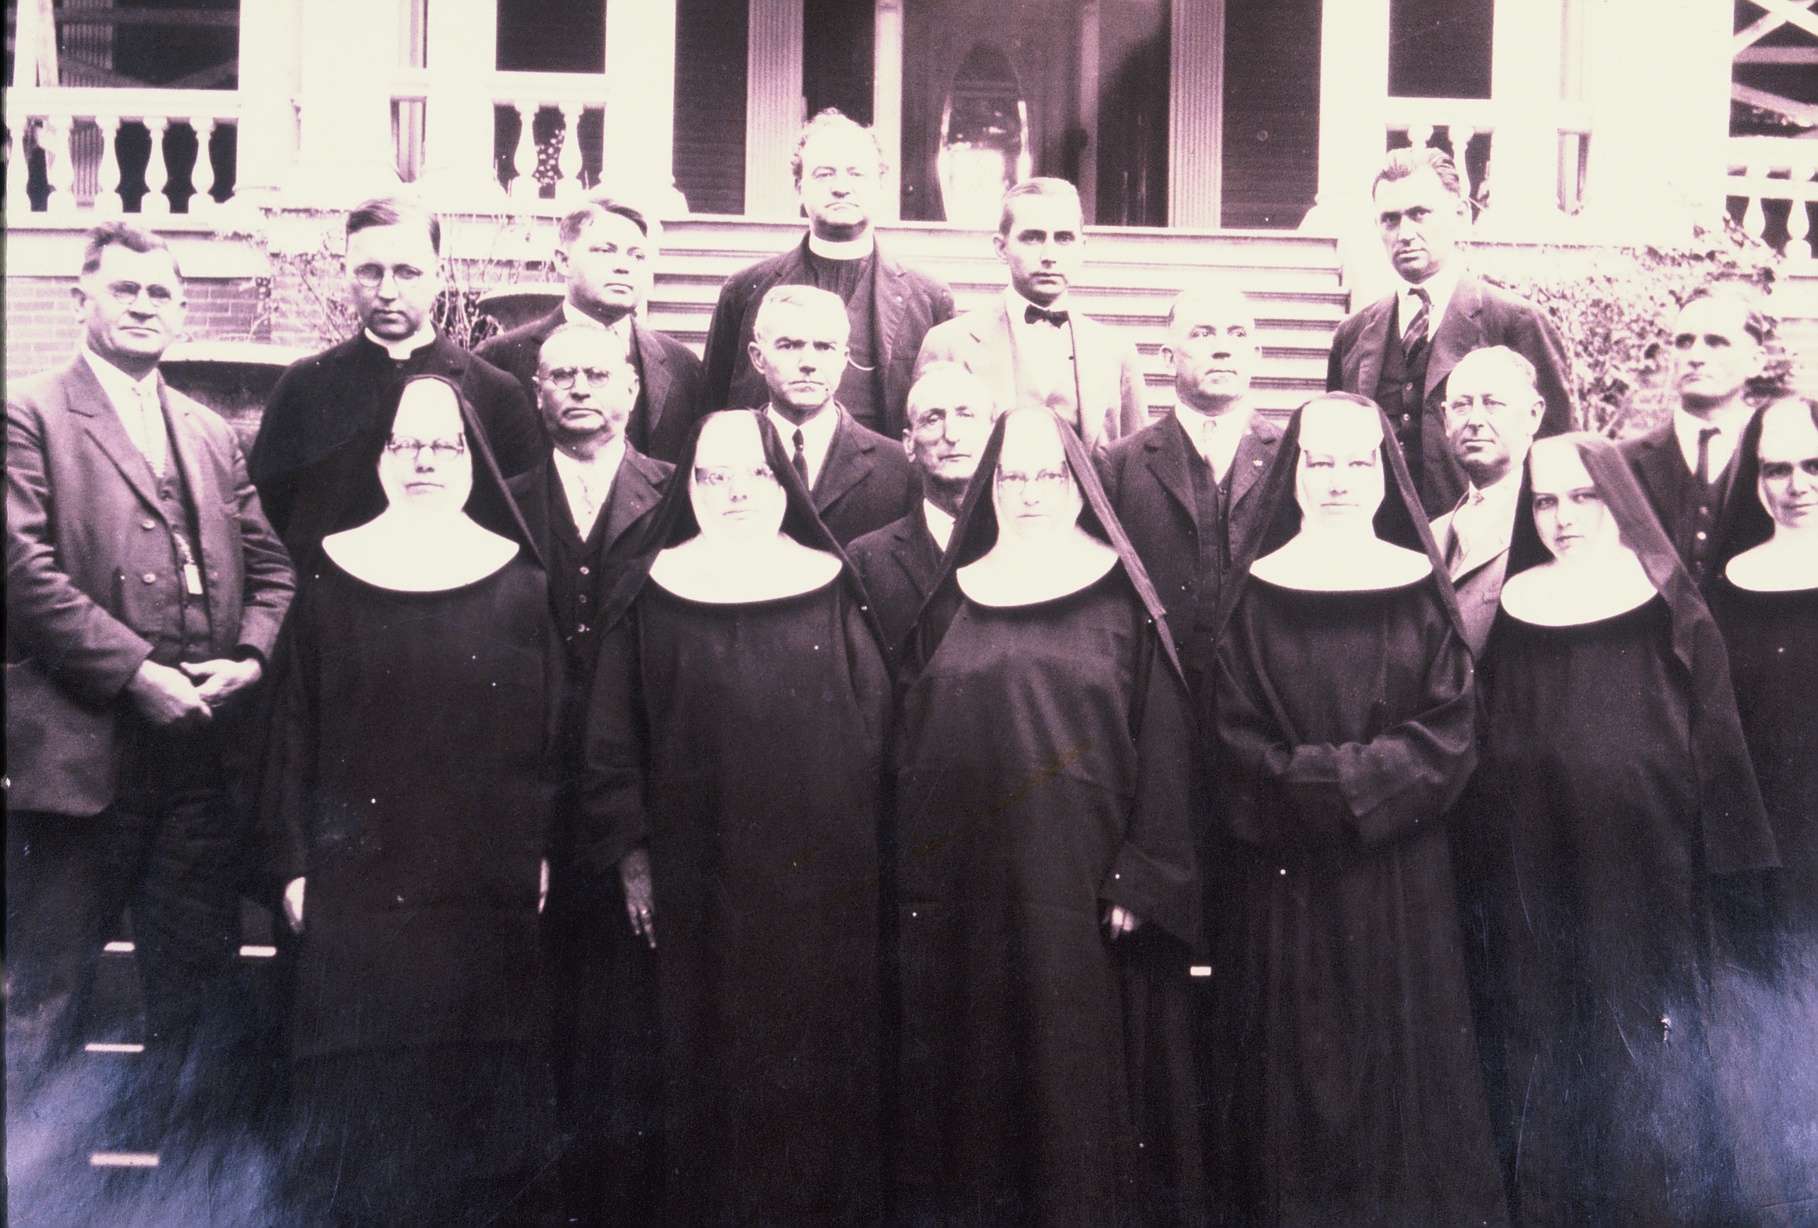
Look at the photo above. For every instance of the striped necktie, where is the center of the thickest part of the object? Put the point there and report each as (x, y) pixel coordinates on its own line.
(1414, 336)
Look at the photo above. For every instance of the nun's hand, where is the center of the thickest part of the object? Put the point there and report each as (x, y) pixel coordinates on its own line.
(634, 873)
(1120, 921)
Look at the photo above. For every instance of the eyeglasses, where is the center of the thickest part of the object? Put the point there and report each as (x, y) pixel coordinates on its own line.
(441, 449)
(1042, 482)
(564, 377)
(126, 293)
(719, 479)
(372, 276)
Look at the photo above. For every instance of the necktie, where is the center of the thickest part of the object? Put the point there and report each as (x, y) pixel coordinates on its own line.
(1703, 472)
(799, 462)
(1041, 315)
(1457, 541)
(1207, 433)
(151, 430)
(1414, 336)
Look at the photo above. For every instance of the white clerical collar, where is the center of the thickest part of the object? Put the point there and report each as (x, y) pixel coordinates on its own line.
(817, 436)
(588, 483)
(1439, 288)
(940, 524)
(843, 249)
(1727, 422)
(400, 350)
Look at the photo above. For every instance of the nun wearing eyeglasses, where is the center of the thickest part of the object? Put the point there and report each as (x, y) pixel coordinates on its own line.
(407, 792)
(734, 745)
(1347, 1083)
(1044, 863)
(1622, 820)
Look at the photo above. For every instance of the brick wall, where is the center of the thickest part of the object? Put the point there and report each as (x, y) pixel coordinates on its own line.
(42, 330)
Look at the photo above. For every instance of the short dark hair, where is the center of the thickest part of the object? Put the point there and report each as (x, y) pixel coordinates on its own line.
(1041, 185)
(827, 120)
(123, 234)
(395, 211)
(578, 219)
(1777, 366)
(1407, 161)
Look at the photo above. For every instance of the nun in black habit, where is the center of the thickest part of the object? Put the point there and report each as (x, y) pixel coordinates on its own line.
(1044, 854)
(734, 749)
(1623, 819)
(1347, 1084)
(407, 804)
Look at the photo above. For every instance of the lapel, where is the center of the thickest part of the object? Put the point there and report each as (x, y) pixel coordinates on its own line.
(535, 494)
(995, 345)
(919, 556)
(846, 464)
(1656, 465)
(1254, 452)
(655, 378)
(1373, 343)
(887, 305)
(86, 398)
(1460, 331)
(198, 477)
(634, 492)
(1166, 455)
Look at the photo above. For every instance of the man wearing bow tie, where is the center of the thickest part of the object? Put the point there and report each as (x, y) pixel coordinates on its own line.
(1032, 347)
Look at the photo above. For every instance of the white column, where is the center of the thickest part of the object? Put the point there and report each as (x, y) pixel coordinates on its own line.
(349, 56)
(1196, 103)
(1525, 81)
(266, 136)
(1353, 89)
(773, 106)
(640, 103)
(462, 55)
(887, 101)
(1089, 56)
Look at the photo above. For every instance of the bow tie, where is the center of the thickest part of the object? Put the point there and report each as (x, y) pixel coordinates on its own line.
(1041, 315)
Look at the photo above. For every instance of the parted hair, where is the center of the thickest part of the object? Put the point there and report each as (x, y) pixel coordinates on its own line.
(823, 121)
(395, 211)
(1041, 185)
(806, 297)
(123, 234)
(600, 202)
(1777, 366)
(618, 357)
(1407, 161)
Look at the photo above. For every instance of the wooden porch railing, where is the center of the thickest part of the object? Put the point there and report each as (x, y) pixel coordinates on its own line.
(1766, 172)
(1467, 128)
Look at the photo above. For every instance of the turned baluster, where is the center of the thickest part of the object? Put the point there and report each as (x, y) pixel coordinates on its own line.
(568, 165)
(107, 175)
(157, 174)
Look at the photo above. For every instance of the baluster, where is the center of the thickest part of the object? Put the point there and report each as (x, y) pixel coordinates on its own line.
(59, 162)
(107, 175)
(568, 165)
(1460, 135)
(1419, 135)
(1799, 222)
(18, 166)
(524, 161)
(1754, 221)
(157, 174)
(202, 175)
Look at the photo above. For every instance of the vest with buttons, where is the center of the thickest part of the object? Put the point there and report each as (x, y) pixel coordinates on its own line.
(1401, 391)
(179, 624)
(1211, 500)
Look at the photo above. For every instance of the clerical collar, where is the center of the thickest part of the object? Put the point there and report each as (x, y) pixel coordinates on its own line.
(1727, 422)
(940, 524)
(401, 350)
(842, 249)
(1439, 288)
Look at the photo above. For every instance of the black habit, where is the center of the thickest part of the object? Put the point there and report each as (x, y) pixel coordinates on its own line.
(865, 482)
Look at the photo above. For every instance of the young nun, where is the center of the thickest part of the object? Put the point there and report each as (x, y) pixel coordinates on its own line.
(1620, 809)
(1045, 865)
(1347, 1084)
(406, 795)
(1765, 600)
(734, 746)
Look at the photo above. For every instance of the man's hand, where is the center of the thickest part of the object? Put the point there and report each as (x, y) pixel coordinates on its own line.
(634, 872)
(217, 681)
(167, 698)
(293, 905)
(1120, 921)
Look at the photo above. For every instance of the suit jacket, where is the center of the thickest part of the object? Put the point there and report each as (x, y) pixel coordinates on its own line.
(905, 305)
(1110, 379)
(1478, 581)
(1147, 479)
(673, 382)
(1659, 466)
(1478, 316)
(898, 565)
(81, 515)
(865, 482)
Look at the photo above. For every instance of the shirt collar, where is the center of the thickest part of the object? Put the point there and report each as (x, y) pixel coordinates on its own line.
(401, 350)
(1728, 424)
(1017, 307)
(1217, 433)
(1502, 495)
(817, 435)
(604, 465)
(1439, 288)
(940, 524)
(843, 249)
(574, 315)
(122, 389)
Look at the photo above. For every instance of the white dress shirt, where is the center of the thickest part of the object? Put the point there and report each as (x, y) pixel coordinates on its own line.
(1484, 520)
(817, 437)
(619, 329)
(587, 484)
(1728, 424)
(1439, 288)
(137, 406)
(1215, 435)
(400, 350)
(1044, 351)
(940, 525)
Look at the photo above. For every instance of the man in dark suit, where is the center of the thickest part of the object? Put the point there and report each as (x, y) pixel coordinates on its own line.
(316, 455)
(950, 415)
(1399, 350)
(839, 173)
(1493, 408)
(144, 590)
(1032, 347)
(859, 480)
(1182, 485)
(1720, 341)
(606, 250)
(587, 507)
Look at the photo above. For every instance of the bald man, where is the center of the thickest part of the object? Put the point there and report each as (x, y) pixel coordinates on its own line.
(950, 412)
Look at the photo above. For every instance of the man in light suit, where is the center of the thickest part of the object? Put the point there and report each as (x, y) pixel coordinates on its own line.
(950, 417)
(1493, 409)
(1399, 350)
(859, 480)
(839, 175)
(607, 250)
(1032, 347)
(144, 590)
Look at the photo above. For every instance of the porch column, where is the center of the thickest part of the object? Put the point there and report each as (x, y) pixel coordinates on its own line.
(1525, 85)
(348, 57)
(266, 139)
(1353, 92)
(773, 106)
(887, 102)
(639, 142)
(1196, 104)
(461, 58)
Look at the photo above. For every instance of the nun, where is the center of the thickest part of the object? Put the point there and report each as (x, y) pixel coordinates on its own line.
(734, 748)
(1347, 1083)
(407, 791)
(1043, 854)
(1620, 810)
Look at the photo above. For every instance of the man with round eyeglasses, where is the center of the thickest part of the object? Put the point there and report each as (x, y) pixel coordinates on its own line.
(314, 458)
